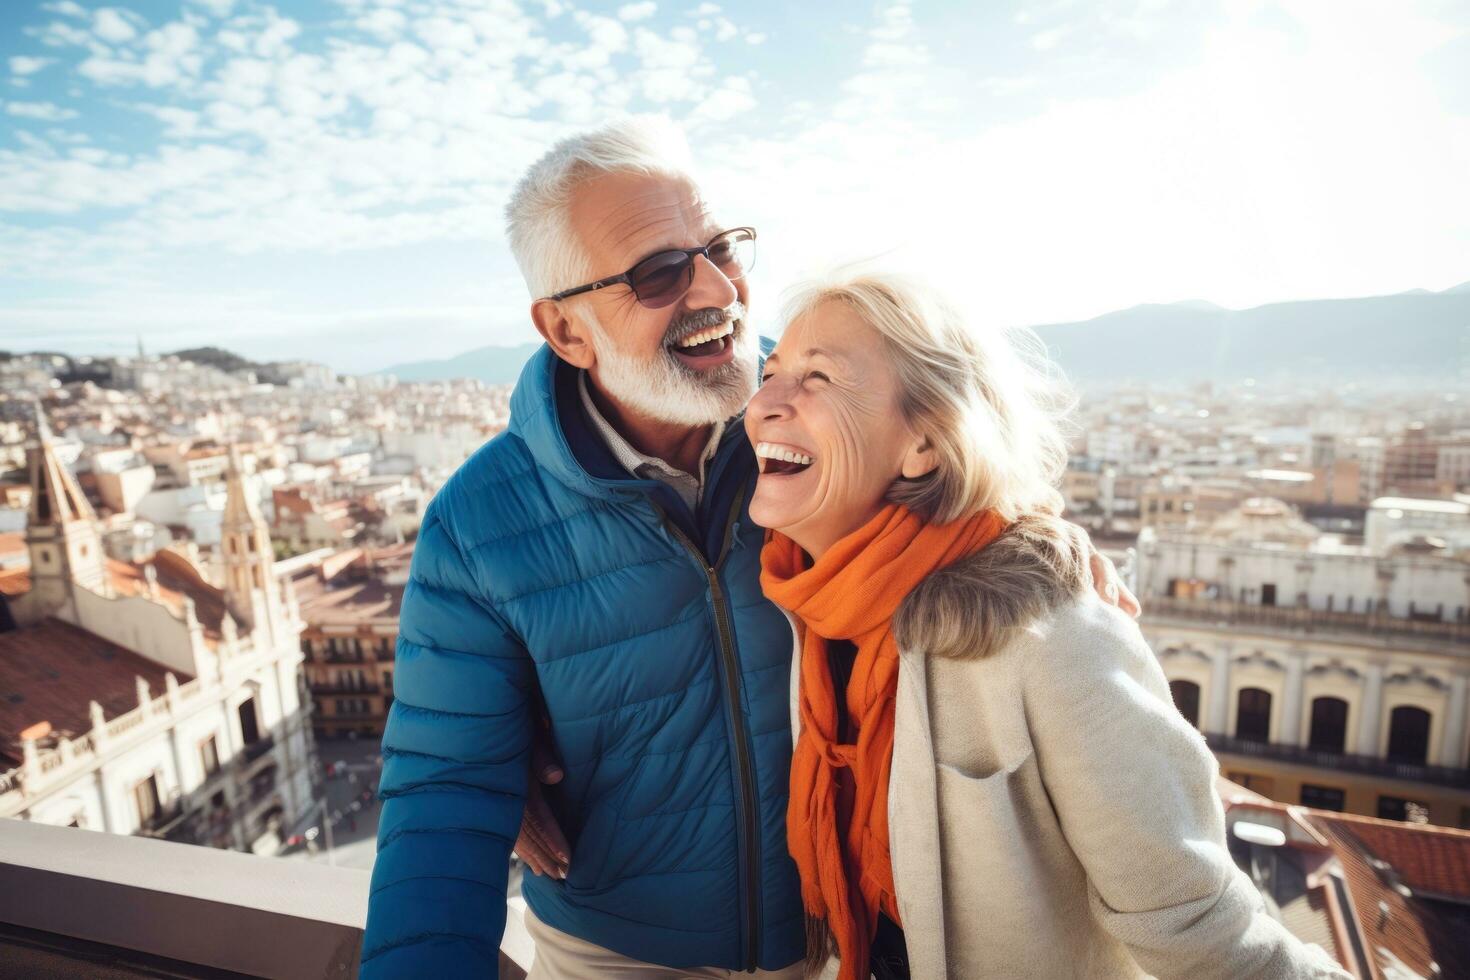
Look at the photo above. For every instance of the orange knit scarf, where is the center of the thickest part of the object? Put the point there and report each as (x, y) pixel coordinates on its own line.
(851, 593)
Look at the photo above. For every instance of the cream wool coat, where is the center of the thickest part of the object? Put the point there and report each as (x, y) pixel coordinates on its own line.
(1051, 814)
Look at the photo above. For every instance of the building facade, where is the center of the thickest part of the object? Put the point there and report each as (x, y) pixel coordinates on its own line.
(350, 602)
(140, 697)
(1323, 676)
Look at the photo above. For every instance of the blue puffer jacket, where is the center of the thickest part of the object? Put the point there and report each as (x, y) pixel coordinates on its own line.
(664, 672)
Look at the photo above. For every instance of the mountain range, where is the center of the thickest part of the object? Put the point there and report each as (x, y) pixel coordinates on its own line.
(1417, 334)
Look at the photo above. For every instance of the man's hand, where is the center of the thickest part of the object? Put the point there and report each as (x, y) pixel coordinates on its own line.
(541, 844)
(1109, 585)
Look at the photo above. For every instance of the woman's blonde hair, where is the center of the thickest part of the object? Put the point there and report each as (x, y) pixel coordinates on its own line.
(987, 400)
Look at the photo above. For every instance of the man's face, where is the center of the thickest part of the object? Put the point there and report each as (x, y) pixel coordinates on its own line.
(643, 356)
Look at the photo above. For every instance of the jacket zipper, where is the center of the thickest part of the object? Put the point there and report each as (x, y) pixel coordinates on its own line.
(749, 827)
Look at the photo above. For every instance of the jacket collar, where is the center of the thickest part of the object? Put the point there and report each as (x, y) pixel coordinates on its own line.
(546, 414)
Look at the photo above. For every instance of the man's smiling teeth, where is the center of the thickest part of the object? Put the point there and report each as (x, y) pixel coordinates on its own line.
(705, 336)
(771, 450)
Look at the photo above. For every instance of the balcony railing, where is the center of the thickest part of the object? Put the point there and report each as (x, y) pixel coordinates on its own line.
(1365, 765)
(1305, 620)
(335, 689)
(257, 748)
(164, 819)
(81, 904)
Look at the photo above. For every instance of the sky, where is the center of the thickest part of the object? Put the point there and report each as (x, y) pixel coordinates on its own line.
(325, 179)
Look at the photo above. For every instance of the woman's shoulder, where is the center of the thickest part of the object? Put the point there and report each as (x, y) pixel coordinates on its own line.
(974, 607)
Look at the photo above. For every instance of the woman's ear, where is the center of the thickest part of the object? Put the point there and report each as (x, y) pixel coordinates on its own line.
(920, 460)
(567, 337)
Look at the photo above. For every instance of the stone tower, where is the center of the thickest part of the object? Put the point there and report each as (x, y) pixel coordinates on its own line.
(251, 591)
(61, 532)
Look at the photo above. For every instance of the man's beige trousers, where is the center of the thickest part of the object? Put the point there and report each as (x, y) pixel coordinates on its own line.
(563, 957)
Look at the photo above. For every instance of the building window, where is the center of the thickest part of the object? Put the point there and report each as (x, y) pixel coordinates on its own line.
(1186, 699)
(1329, 725)
(1268, 594)
(1408, 735)
(1253, 715)
(209, 756)
(1322, 797)
(249, 723)
(388, 678)
(306, 647)
(145, 800)
(1397, 808)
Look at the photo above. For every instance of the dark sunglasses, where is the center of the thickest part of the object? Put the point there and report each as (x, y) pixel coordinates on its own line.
(664, 277)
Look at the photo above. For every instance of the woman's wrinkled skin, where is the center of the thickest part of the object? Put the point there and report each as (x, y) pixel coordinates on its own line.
(829, 393)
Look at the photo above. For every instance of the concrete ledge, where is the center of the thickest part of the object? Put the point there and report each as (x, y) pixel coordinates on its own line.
(217, 910)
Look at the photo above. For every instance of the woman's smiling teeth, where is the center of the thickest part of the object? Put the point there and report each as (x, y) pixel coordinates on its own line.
(775, 458)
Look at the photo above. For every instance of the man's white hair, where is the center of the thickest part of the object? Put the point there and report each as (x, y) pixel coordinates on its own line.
(545, 246)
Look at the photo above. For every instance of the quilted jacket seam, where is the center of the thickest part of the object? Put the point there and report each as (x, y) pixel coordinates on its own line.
(587, 578)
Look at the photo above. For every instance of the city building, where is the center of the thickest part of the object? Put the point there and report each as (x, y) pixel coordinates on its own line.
(1387, 899)
(350, 602)
(305, 523)
(136, 697)
(1321, 673)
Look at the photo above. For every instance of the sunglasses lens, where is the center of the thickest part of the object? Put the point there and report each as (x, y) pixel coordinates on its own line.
(734, 253)
(661, 279)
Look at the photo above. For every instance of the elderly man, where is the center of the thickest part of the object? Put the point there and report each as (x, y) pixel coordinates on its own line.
(594, 566)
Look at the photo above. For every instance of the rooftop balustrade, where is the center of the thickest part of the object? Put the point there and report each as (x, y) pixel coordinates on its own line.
(1366, 765)
(1300, 620)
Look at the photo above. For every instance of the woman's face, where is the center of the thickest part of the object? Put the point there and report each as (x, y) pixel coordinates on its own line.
(828, 431)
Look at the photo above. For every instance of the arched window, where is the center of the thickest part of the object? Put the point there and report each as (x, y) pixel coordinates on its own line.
(1253, 715)
(1408, 735)
(1186, 699)
(1329, 725)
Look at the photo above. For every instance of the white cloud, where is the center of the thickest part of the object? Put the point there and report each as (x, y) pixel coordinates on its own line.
(755, 38)
(23, 65)
(46, 111)
(59, 34)
(442, 33)
(219, 8)
(637, 11)
(728, 101)
(383, 23)
(66, 8)
(112, 26)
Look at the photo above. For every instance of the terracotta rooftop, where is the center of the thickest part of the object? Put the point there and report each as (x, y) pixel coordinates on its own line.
(1430, 937)
(177, 577)
(353, 586)
(52, 670)
(1429, 859)
(1407, 888)
(12, 543)
(15, 581)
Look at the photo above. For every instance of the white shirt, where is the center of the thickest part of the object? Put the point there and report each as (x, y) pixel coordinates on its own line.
(689, 487)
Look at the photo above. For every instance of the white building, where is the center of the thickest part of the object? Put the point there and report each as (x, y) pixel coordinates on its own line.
(435, 446)
(1321, 675)
(1394, 521)
(144, 699)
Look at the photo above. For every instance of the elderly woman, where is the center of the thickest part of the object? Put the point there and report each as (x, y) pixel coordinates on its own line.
(990, 779)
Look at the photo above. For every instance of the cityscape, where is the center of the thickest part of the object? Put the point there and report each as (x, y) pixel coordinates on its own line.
(202, 562)
(264, 289)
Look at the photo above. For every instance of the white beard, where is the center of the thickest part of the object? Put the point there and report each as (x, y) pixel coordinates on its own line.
(667, 391)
